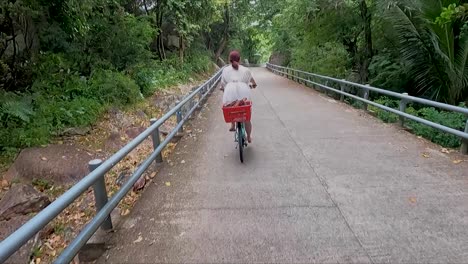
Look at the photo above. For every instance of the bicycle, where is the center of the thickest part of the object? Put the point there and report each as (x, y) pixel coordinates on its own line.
(239, 115)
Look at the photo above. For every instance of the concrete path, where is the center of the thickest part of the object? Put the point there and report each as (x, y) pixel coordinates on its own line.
(322, 183)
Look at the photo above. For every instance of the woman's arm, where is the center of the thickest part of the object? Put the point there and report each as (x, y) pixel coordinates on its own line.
(222, 83)
(254, 83)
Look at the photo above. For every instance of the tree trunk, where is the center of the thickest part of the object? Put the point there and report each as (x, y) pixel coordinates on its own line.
(367, 53)
(181, 49)
(221, 48)
(146, 6)
(225, 39)
(160, 40)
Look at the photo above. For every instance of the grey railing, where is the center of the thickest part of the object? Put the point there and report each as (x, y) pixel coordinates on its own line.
(324, 82)
(183, 110)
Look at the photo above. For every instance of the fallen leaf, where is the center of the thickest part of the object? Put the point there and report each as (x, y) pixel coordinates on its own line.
(125, 212)
(183, 162)
(99, 150)
(457, 161)
(140, 184)
(122, 138)
(413, 200)
(4, 183)
(43, 158)
(444, 150)
(425, 155)
(139, 239)
(153, 175)
(168, 184)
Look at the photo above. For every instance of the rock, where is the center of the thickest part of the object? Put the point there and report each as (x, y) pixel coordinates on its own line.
(22, 199)
(166, 102)
(220, 62)
(6, 229)
(141, 114)
(119, 119)
(134, 132)
(123, 177)
(61, 164)
(140, 184)
(278, 59)
(91, 252)
(215, 66)
(173, 42)
(75, 131)
(114, 142)
(165, 129)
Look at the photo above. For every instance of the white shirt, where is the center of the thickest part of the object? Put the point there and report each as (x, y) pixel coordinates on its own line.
(243, 74)
(235, 84)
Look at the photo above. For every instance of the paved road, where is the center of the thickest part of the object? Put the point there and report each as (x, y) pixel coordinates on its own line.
(322, 183)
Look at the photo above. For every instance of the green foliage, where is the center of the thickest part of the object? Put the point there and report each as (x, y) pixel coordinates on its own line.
(74, 58)
(41, 184)
(434, 54)
(111, 87)
(15, 108)
(383, 115)
(328, 59)
(449, 119)
(388, 72)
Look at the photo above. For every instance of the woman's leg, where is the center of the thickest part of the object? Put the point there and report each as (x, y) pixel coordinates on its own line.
(248, 129)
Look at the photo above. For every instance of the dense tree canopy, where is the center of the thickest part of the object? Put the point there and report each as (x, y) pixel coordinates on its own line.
(83, 55)
(417, 46)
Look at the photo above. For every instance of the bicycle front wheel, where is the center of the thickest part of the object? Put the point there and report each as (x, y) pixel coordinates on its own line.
(241, 138)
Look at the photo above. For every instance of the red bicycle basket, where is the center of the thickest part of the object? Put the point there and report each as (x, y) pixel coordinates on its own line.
(237, 113)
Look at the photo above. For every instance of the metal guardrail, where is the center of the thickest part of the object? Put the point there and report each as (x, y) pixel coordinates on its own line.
(183, 110)
(311, 78)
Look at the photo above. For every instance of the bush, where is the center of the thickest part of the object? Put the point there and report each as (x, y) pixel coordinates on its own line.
(383, 115)
(329, 59)
(449, 119)
(111, 87)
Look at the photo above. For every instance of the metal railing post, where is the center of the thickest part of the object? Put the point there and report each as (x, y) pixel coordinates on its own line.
(100, 193)
(366, 97)
(403, 104)
(156, 140)
(200, 96)
(179, 119)
(464, 146)
(342, 89)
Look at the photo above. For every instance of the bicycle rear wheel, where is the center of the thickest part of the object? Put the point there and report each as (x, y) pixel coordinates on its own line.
(241, 138)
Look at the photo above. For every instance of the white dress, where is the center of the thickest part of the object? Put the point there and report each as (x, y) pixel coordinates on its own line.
(236, 83)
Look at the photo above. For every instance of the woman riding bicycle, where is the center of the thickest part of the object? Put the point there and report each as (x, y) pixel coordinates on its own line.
(235, 82)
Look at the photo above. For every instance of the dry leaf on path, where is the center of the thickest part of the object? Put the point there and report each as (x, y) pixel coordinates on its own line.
(413, 200)
(457, 161)
(4, 184)
(43, 158)
(444, 150)
(168, 184)
(425, 155)
(139, 239)
(140, 184)
(125, 212)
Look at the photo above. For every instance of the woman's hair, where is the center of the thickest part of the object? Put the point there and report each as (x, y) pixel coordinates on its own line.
(234, 58)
